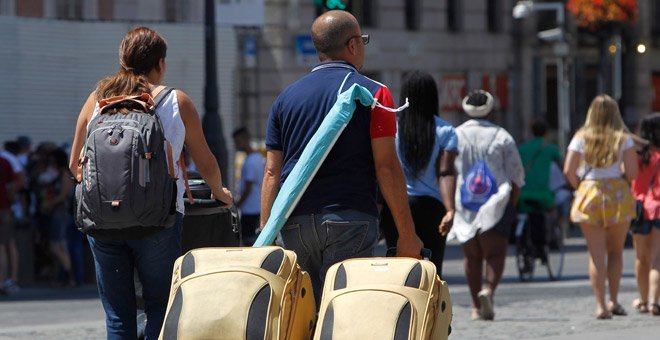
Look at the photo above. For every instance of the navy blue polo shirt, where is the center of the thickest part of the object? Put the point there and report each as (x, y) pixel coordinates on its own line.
(347, 178)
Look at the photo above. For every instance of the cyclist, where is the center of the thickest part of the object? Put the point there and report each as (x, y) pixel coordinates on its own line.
(536, 197)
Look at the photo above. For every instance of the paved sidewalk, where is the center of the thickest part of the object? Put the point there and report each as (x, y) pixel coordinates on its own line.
(537, 310)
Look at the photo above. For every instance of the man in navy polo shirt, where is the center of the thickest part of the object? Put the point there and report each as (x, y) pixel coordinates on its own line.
(336, 218)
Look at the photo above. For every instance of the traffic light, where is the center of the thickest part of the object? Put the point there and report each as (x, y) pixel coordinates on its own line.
(331, 4)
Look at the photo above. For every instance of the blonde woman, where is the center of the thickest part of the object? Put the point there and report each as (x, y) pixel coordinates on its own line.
(603, 206)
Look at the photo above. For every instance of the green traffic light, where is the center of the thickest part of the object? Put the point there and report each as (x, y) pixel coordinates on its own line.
(330, 4)
(335, 4)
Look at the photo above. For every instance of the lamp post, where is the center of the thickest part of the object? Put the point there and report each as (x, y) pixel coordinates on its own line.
(211, 123)
(561, 51)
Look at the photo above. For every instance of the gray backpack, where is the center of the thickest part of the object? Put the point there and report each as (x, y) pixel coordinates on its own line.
(127, 168)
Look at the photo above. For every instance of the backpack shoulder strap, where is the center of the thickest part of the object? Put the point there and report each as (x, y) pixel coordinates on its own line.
(161, 93)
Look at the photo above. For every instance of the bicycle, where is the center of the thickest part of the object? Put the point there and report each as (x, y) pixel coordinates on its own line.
(548, 247)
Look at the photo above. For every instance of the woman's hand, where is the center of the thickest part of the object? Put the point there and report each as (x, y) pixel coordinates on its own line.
(446, 223)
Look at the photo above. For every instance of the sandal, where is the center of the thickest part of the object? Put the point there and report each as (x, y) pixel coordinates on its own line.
(617, 309)
(655, 309)
(474, 314)
(604, 315)
(486, 300)
(640, 306)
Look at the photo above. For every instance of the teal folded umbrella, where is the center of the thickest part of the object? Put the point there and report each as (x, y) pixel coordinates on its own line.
(311, 159)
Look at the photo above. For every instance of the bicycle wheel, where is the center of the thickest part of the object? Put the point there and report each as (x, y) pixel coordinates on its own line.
(554, 251)
(525, 258)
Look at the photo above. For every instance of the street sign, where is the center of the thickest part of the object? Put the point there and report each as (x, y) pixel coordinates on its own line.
(250, 51)
(304, 50)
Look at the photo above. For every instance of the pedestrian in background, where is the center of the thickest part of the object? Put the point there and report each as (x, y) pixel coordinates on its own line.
(427, 147)
(646, 227)
(55, 197)
(7, 179)
(252, 175)
(536, 197)
(485, 233)
(152, 251)
(10, 153)
(337, 217)
(603, 205)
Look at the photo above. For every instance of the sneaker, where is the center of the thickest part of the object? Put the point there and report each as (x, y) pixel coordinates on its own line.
(11, 286)
(486, 300)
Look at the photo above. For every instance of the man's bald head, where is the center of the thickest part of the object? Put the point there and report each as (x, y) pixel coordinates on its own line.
(331, 30)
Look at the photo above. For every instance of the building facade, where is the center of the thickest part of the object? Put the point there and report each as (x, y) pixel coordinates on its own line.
(62, 47)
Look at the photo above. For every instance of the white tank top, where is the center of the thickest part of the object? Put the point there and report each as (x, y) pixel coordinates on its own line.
(175, 133)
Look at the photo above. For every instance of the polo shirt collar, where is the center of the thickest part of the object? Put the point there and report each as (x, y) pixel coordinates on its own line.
(335, 64)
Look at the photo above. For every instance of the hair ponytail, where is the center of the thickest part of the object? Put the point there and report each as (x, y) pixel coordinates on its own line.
(123, 82)
(417, 124)
(139, 53)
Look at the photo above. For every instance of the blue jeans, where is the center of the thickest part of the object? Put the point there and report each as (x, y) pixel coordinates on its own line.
(321, 240)
(154, 257)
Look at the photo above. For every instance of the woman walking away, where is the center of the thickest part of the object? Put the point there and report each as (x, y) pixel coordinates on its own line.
(490, 177)
(427, 147)
(646, 227)
(603, 205)
(152, 250)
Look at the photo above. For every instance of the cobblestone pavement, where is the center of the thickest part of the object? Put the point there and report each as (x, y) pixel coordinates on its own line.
(537, 310)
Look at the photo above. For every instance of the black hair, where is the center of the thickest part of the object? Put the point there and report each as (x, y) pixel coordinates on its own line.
(240, 131)
(12, 147)
(416, 124)
(477, 98)
(60, 158)
(649, 129)
(539, 128)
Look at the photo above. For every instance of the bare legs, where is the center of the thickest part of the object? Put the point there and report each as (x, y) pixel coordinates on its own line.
(491, 247)
(59, 249)
(642, 245)
(654, 275)
(605, 246)
(3, 267)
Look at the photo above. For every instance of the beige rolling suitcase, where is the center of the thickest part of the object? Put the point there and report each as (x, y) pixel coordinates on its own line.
(239, 293)
(384, 298)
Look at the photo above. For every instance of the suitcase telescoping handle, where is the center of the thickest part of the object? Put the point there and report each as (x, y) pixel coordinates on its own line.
(426, 253)
(213, 203)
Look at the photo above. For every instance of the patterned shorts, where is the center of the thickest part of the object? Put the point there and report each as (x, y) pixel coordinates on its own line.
(603, 202)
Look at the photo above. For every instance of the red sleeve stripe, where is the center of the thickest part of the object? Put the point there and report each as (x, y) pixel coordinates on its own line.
(383, 123)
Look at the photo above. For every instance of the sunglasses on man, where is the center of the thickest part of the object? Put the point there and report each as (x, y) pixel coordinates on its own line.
(364, 37)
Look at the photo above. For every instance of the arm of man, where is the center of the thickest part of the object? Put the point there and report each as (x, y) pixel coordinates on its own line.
(79, 136)
(271, 184)
(513, 168)
(199, 149)
(447, 182)
(515, 194)
(392, 185)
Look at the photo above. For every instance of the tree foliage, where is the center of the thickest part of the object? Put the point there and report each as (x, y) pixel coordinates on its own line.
(595, 13)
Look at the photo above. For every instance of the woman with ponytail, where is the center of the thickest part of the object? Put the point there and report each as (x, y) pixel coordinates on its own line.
(116, 253)
(427, 147)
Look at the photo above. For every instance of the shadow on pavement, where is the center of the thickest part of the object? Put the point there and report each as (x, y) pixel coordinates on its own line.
(45, 293)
